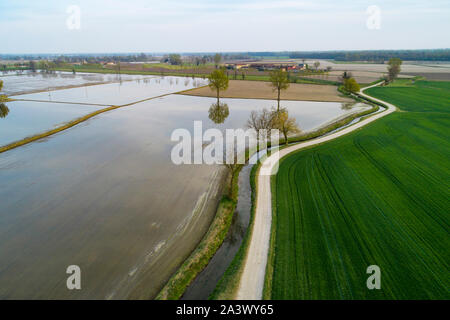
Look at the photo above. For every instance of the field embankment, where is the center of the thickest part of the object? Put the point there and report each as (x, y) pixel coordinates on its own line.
(378, 196)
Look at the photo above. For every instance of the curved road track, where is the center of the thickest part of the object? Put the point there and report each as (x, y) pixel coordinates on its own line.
(252, 280)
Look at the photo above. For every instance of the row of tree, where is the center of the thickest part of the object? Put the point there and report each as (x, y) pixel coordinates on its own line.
(376, 55)
(176, 59)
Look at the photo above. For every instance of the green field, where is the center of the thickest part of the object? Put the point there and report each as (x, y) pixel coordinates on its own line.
(379, 196)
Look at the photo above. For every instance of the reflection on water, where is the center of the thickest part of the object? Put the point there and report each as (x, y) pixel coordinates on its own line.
(118, 93)
(30, 118)
(348, 105)
(105, 195)
(34, 81)
(218, 112)
(4, 110)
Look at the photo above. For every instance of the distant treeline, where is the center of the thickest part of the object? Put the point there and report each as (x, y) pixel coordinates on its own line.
(89, 58)
(375, 55)
(367, 55)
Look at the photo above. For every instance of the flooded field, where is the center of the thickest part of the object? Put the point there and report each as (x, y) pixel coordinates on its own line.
(16, 83)
(104, 195)
(119, 93)
(24, 119)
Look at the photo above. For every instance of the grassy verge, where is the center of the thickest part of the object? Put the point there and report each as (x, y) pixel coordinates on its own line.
(4, 98)
(267, 291)
(227, 286)
(331, 127)
(377, 196)
(211, 242)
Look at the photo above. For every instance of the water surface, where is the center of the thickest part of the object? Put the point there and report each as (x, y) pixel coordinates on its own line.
(15, 83)
(26, 119)
(104, 195)
(119, 93)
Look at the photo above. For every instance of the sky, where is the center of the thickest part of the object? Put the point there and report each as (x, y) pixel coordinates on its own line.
(51, 26)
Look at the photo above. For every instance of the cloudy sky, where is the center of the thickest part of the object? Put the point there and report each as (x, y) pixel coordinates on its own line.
(31, 26)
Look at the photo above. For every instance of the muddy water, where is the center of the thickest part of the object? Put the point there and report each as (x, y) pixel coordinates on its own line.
(105, 196)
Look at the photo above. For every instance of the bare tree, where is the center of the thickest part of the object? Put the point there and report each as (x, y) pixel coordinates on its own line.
(262, 122)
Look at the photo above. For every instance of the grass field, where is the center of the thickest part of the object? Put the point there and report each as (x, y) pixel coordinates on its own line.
(379, 196)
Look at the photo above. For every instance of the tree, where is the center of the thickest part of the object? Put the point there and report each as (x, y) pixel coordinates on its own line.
(279, 81)
(218, 80)
(1, 85)
(394, 68)
(217, 59)
(345, 75)
(351, 85)
(287, 125)
(316, 65)
(32, 66)
(174, 59)
(262, 122)
(118, 67)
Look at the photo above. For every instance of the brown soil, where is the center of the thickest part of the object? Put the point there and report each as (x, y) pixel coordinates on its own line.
(262, 90)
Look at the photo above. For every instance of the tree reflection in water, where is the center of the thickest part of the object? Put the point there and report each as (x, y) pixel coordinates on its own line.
(219, 112)
(347, 105)
(4, 110)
